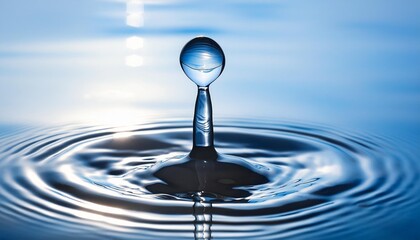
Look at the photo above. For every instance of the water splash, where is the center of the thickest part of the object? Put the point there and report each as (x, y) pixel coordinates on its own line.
(204, 171)
(322, 182)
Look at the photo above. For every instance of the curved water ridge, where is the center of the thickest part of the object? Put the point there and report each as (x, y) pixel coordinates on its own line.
(319, 182)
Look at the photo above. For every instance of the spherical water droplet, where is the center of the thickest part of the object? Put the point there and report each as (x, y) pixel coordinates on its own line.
(202, 60)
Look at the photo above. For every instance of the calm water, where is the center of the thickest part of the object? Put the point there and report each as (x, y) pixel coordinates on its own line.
(320, 97)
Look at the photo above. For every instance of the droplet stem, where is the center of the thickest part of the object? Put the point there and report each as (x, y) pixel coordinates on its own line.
(203, 120)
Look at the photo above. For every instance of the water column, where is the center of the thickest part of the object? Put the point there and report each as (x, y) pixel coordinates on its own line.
(203, 120)
(203, 60)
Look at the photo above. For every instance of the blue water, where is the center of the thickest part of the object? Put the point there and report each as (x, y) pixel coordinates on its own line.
(267, 181)
(347, 71)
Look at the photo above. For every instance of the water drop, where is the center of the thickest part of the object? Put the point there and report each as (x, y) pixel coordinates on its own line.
(202, 60)
(204, 172)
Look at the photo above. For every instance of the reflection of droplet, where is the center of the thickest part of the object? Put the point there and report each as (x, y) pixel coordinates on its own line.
(134, 60)
(202, 60)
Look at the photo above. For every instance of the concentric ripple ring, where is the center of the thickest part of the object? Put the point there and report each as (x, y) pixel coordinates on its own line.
(84, 180)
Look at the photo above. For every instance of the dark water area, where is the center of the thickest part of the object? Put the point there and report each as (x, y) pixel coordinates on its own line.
(266, 181)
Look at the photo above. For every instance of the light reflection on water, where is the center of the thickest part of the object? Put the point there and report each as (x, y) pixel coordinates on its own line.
(134, 18)
(348, 64)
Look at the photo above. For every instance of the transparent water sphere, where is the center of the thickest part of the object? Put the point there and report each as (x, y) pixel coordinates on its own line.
(202, 60)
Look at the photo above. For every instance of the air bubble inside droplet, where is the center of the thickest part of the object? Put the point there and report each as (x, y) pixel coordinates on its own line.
(202, 60)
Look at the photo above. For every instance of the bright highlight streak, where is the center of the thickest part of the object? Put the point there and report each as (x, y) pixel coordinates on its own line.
(134, 60)
(134, 43)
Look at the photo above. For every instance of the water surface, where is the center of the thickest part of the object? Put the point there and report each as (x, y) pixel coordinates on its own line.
(319, 183)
